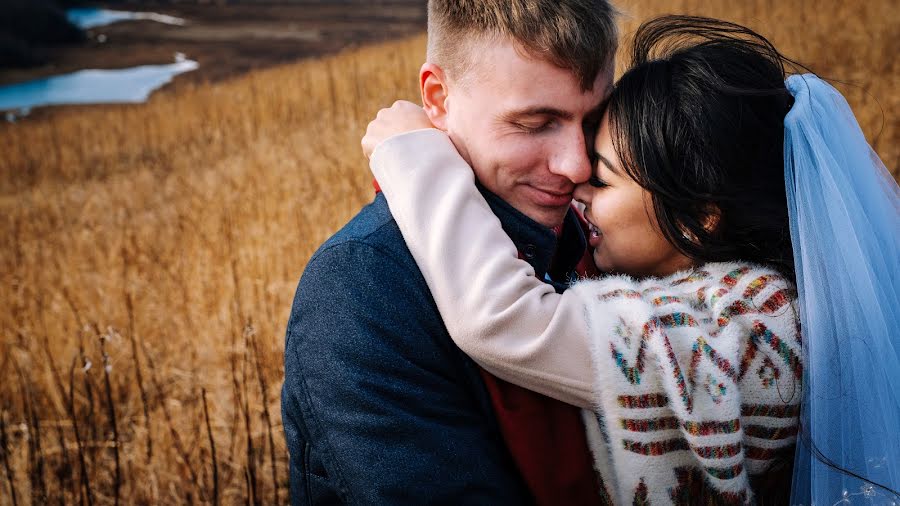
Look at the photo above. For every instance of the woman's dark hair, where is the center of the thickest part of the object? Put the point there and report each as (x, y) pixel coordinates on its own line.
(698, 122)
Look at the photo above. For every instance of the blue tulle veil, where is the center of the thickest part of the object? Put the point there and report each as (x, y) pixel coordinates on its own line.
(844, 210)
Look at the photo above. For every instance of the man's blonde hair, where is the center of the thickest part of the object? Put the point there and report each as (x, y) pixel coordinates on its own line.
(577, 35)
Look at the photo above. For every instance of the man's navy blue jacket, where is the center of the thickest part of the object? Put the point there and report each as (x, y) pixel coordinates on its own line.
(379, 405)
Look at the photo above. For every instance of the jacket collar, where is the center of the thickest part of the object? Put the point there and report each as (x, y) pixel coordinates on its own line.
(538, 245)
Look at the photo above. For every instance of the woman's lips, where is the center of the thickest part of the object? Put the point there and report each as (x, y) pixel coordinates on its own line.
(595, 235)
(549, 198)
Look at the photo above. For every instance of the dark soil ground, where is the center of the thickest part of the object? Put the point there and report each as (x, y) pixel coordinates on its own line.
(232, 39)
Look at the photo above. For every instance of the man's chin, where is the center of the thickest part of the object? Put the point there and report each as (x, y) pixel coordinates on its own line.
(548, 217)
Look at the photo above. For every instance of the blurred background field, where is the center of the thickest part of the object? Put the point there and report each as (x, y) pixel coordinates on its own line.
(150, 253)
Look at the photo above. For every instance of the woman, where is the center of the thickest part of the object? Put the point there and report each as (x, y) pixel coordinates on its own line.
(718, 188)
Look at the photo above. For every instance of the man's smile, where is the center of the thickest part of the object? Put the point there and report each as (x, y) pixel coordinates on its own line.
(549, 197)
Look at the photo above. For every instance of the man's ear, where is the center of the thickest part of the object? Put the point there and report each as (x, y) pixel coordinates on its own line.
(434, 86)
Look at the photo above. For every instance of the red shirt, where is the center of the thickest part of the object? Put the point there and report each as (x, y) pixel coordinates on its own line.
(546, 437)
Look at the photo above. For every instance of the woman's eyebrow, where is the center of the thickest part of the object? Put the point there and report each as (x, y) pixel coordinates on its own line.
(608, 164)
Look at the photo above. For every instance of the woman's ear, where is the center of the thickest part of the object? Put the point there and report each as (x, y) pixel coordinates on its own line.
(433, 83)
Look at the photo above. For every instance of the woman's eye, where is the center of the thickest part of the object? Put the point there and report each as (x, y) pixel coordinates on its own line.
(596, 182)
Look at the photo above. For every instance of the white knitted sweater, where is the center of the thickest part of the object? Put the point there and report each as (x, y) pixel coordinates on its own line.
(691, 381)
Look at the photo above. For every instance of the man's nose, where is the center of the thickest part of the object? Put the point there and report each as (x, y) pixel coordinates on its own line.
(582, 193)
(570, 159)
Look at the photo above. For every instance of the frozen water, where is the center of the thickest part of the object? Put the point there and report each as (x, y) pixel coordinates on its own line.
(131, 85)
(87, 18)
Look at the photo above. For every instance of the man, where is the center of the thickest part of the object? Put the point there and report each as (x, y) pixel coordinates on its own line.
(379, 405)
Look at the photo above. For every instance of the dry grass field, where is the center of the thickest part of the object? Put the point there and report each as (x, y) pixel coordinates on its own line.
(150, 254)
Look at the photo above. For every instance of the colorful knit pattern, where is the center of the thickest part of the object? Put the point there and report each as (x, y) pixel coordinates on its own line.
(698, 377)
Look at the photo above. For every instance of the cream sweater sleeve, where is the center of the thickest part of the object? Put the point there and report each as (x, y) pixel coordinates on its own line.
(511, 323)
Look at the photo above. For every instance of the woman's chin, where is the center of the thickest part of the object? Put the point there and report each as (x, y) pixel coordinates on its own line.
(606, 265)
(602, 262)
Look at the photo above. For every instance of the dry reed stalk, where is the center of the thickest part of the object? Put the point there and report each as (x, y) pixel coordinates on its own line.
(87, 366)
(248, 488)
(176, 439)
(64, 473)
(71, 302)
(248, 425)
(4, 449)
(238, 396)
(82, 461)
(43, 496)
(64, 469)
(139, 376)
(51, 363)
(26, 412)
(35, 453)
(237, 402)
(212, 449)
(111, 413)
(264, 391)
(5, 358)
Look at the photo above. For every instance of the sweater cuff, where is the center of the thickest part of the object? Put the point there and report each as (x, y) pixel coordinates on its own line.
(415, 140)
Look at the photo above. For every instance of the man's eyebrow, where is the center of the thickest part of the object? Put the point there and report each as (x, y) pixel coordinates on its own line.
(608, 164)
(537, 111)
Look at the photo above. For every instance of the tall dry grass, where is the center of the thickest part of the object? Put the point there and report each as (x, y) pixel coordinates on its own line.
(150, 255)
